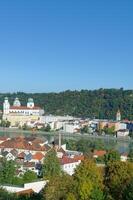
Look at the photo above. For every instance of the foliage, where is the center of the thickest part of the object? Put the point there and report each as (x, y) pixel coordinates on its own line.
(109, 131)
(51, 166)
(29, 176)
(7, 171)
(70, 196)
(58, 187)
(4, 195)
(102, 103)
(87, 146)
(85, 129)
(130, 155)
(5, 123)
(97, 194)
(118, 175)
(128, 192)
(47, 128)
(86, 178)
(111, 155)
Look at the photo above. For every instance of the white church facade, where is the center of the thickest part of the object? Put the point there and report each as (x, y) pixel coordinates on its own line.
(18, 114)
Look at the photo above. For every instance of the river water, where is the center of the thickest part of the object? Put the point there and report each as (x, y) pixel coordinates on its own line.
(109, 143)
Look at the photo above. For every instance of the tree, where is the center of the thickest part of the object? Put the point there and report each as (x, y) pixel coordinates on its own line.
(47, 128)
(29, 176)
(70, 196)
(5, 123)
(111, 155)
(117, 176)
(130, 155)
(128, 192)
(87, 176)
(7, 171)
(109, 131)
(51, 166)
(58, 187)
(85, 129)
(4, 195)
(102, 103)
(97, 194)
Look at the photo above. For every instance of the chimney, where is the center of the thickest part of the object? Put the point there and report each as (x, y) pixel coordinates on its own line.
(59, 140)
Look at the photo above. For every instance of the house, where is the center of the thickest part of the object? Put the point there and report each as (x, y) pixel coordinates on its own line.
(10, 156)
(21, 156)
(28, 157)
(3, 139)
(28, 166)
(25, 145)
(123, 133)
(124, 157)
(27, 188)
(69, 165)
(14, 152)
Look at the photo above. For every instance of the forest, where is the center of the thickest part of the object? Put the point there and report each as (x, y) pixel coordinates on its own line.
(101, 103)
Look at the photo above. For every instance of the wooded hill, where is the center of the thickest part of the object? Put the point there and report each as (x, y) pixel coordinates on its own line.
(102, 103)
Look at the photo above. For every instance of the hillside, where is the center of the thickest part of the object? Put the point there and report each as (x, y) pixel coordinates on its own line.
(102, 103)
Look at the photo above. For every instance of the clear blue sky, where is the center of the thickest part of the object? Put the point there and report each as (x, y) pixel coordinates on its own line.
(54, 45)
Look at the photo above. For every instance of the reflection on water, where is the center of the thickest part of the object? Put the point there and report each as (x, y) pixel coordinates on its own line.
(121, 146)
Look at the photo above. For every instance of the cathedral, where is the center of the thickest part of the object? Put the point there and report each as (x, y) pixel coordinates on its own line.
(18, 114)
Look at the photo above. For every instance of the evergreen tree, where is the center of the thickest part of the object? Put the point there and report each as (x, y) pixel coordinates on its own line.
(51, 166)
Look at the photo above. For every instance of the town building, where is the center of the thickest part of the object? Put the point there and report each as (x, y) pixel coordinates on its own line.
(118, 116)
(18, 114)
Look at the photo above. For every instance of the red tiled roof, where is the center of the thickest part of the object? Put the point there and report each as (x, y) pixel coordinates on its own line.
(24, 108)
(21, 143)
(3, 138)
(99, 153)
(67, 160)
(38, 156)
(79, 157)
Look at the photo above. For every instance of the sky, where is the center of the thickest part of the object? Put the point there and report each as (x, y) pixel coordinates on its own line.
(56, 45)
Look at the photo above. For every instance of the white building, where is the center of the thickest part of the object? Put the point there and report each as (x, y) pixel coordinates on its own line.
(51, 118)
(18, 114)
(69, 165)
(122, 133)
(35, 186)
(71, 127)
(30, 109)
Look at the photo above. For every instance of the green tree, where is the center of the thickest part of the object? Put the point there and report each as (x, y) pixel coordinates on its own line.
(7, 171)
(47, 128)
(130, 155)
(128, 192)
(5, 123)
(70, 196)
(29, 176)
(87, 176)
(97, 194)
(4, 195)
(85, 129)
(51, 166)
(109, 131)
(58, 187)
(111, 155)
(117, 176)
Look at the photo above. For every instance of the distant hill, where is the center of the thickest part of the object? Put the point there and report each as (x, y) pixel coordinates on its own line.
(102, 103)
